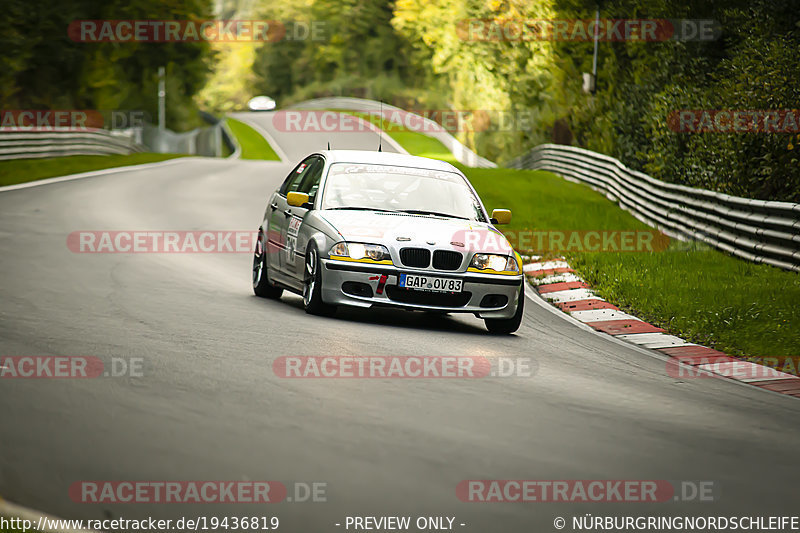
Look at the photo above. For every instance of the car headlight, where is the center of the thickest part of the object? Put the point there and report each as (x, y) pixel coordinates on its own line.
(357, 250)
(494, 262)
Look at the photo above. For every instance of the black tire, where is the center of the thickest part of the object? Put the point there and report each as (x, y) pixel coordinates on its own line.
(261, 285)
(312, 285)
(504, 326)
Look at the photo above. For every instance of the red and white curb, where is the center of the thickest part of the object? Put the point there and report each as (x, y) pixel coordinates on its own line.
(556, 282)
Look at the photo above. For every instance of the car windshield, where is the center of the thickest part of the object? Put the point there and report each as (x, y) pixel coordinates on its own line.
(400, 189)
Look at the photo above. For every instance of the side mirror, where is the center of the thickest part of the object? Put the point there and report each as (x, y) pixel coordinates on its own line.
(501, 216)
(297, 199)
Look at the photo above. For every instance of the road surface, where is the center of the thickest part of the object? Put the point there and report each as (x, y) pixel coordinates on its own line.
(209, 406)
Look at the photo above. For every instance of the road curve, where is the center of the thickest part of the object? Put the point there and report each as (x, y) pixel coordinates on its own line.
(209, 406)
(312, 131)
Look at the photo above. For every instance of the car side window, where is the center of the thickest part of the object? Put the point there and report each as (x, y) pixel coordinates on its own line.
(311, 179)
(293, 180)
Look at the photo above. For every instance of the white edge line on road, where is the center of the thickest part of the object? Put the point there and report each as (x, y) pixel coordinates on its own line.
(237, 154)
(269, 138)
(12, 510)
(91, 174)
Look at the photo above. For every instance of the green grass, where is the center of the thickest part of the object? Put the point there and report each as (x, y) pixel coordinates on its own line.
(23, 170)
(705, 296)
(254, 146)
(422, 145)
(700, 294)
(542, 200)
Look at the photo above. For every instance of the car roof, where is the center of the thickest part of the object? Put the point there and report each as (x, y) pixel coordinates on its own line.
(386, 158)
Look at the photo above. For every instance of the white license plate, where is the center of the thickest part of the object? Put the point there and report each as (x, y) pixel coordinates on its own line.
(429, 283)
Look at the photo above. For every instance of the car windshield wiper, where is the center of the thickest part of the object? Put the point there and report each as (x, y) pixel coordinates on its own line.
(433, 213)
(357, 208)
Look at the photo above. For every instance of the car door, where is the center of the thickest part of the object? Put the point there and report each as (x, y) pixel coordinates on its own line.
(296, 241)
(277, 217)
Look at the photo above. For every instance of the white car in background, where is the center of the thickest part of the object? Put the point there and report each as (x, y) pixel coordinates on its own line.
(261, 103)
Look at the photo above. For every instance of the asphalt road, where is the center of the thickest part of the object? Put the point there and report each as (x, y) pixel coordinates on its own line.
(299, 133)
(209, 407)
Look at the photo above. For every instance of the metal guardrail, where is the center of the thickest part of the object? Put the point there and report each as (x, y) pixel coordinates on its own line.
(63, 142)
(16, 144)
(199, 141)
(758, 230)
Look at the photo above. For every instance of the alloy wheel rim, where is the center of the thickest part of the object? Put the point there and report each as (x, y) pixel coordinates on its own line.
(311, 271)
(258, 262)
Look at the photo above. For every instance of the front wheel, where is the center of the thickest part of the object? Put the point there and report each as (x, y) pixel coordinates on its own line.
(312, 285)
(504, 326)
(261, 285)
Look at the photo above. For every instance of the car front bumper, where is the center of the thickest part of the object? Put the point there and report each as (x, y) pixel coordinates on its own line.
(487, 295)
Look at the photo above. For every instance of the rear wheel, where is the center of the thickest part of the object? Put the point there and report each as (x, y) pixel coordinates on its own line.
(312, 285)
(261, 285)
(504, 326)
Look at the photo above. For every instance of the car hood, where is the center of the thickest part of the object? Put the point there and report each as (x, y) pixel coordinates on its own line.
(400, 230)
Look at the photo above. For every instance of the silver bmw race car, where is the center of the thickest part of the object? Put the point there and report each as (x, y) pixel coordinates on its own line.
(366, 229)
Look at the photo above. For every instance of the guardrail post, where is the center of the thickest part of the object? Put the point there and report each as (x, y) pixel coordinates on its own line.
(162, 97)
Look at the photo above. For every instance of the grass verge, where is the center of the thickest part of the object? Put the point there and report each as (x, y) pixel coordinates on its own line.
(254, 145)
(701, 294)
(24, 170)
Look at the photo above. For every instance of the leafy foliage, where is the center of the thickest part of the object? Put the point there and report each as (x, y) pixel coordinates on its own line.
(355, 52)
(42, 68)
(415, 54)
(753, 66)
(412, 53)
